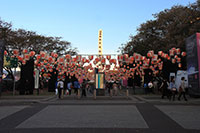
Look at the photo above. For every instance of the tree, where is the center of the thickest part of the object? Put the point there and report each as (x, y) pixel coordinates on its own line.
(169, 29)
(31, 41)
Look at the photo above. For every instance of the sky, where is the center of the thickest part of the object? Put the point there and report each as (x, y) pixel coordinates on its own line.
(78, 21)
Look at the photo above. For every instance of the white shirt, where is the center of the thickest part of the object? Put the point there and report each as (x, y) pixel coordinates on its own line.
(61, 84)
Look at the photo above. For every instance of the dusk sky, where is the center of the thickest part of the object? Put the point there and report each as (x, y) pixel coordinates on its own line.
(78, 21)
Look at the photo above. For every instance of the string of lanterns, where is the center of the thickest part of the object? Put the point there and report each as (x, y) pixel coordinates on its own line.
(121, 67)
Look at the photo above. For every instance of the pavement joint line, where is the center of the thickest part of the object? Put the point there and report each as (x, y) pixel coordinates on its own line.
(16, 118)
(162, 122)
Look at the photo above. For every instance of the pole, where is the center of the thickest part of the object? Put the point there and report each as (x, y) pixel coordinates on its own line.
(14, 81)
(2, 47)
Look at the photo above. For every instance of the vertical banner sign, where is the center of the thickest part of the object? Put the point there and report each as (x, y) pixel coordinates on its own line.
(2, 45)
(100, 81)
(37, 79)
(100, 42)
(193, 63)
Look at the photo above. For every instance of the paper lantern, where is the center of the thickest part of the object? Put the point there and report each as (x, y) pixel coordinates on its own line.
(84, 59)
(173, 61)
(90, 57)
(38, 57)
(171, 52)
(5, 52)
(179, 65)
(166, 56)
(19, 58)
(108, 57)
(32, 53)
(52, 54)
(23, 62)
(126, 56)
(155, 57)
(42, 54)
(183, 54)
(25, 51)
(103, 61)
(56, 55)
(120, 57)
(178, 51)
(160, 53)
(178, 60)
(15, 52)
(78, 58)
(61, 60)
(38, 64)
(26, 56)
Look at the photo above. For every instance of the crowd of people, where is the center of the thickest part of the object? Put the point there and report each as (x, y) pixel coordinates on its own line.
(170, 90)
(112, 84)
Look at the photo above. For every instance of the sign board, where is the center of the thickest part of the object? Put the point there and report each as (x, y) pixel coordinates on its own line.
(179, 75)
(100, 81)
(193, 63)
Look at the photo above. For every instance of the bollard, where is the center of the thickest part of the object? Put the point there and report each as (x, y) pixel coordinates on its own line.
(95, 94)
(79, 94)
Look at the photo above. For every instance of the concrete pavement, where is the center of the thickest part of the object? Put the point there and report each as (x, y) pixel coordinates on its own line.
(138, 113)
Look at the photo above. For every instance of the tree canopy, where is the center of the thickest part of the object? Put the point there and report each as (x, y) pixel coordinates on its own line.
(22, 39)
(169, 29)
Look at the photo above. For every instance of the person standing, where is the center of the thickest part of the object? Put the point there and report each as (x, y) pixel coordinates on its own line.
(164, 89)
(172, 89)
(84, 84)
(182, 89)
(60, 88)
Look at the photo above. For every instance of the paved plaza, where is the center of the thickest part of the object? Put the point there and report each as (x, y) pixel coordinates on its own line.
(119, 114)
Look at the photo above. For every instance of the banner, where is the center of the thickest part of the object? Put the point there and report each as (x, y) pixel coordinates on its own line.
(37, 74)
(193, 63)
(100, 81)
